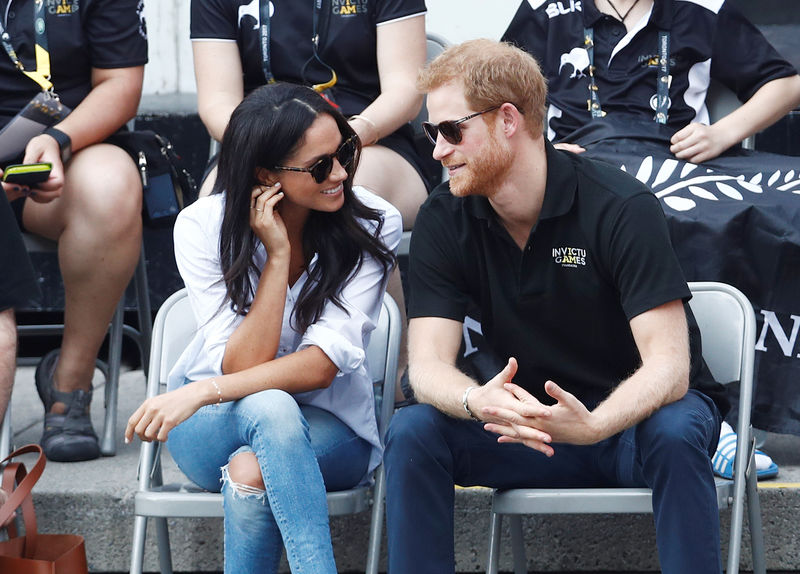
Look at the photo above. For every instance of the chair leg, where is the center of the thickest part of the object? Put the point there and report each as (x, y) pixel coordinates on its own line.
(518, 545)
(164, 551)
(376, 524)
(144, 311)
(108, 444)
(137, 551)
(493, 560)
(6, 438)
(756, 532)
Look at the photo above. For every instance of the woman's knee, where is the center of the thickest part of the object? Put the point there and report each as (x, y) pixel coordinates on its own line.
(244, 471)
(275, 414)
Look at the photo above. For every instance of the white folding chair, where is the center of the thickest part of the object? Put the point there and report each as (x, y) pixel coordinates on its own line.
(728, 325)
(173, 329)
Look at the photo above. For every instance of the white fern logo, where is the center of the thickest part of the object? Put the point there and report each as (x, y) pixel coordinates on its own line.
(706, 184)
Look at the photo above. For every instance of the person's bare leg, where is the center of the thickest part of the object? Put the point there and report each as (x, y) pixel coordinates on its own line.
(208, 183)
(8, 357)
(97, 223)
(387, 174)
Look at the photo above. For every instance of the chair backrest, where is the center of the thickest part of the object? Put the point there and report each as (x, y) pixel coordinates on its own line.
(175, 326)
(726, 319)
(435, 45)
(720, 101)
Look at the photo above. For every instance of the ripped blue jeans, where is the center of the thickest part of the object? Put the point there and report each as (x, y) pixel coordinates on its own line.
(301, 450)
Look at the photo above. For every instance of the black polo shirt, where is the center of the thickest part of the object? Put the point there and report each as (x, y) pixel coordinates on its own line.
(348, 32)
(599, 256)
(708, 39)
(81, 35)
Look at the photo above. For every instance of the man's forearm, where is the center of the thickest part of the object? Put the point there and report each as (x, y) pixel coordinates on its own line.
(660, 382)
(441, 386)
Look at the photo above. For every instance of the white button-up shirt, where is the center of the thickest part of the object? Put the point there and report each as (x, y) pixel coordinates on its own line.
(342, 335)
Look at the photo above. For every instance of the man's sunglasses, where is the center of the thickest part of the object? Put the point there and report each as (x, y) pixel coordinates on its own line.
(450, 129)
(323, 166)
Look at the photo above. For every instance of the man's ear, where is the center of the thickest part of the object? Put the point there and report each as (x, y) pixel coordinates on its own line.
(265, 176)
(512, 119)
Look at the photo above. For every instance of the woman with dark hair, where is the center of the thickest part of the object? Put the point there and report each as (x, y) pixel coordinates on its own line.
(286, 266)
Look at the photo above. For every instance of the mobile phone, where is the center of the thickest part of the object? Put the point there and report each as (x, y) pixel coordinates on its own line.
(27, 174)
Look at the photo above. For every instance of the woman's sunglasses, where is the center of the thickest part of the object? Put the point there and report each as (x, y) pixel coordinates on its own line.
(323, 166)
(450, 129)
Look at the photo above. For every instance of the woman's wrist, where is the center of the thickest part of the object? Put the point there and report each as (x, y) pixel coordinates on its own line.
(365, 128)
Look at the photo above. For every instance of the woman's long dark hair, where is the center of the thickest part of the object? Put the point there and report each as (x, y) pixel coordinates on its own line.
(265, 129)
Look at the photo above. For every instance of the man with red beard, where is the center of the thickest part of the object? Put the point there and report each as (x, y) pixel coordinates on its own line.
(569, 261)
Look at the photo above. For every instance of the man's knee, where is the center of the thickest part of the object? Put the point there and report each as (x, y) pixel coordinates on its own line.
(685, 426)
(414, 430)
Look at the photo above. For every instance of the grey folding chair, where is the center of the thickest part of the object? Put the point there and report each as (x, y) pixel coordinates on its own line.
(111, 370)
(728, 325)
(173, 329)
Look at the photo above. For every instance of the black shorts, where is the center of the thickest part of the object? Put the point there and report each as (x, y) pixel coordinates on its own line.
(17, 280)
(417, 151)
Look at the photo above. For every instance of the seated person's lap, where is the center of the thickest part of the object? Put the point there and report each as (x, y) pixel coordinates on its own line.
(475, 458)
(101, 183)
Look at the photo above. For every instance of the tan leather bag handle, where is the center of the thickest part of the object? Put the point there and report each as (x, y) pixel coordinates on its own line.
(15, 473)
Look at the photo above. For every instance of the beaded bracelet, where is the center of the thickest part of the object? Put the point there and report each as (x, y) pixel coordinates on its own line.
(219, 393)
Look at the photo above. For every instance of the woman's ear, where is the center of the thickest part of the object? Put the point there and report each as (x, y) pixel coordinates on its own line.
(265, 176)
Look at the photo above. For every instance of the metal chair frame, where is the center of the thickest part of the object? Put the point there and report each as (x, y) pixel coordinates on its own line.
(728, 326)
(173, 329)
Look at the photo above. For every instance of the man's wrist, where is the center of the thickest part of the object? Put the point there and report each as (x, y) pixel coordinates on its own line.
(465, 402)
(64, 142)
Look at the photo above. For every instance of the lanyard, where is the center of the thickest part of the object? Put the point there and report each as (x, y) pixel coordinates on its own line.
(662, 85)
(41, 75)
(264, 29)
(664, 79)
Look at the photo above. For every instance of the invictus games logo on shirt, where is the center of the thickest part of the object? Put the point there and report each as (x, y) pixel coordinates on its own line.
(62, 7)
(349, 7)
(569, 256)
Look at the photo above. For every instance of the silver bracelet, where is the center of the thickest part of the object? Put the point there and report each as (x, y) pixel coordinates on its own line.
(464, 403)
(369, 122)
(219, 393)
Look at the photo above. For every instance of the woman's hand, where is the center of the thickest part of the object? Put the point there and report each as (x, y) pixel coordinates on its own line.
(574, 148)
(266, 221)
(158, 415)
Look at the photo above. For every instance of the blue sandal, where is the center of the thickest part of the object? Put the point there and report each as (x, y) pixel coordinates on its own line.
(725, 456)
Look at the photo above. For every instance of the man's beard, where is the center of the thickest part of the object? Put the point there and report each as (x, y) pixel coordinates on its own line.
(483, 172)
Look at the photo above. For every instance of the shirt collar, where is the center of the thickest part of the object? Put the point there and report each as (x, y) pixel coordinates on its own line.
(559, 193)
(660, 17)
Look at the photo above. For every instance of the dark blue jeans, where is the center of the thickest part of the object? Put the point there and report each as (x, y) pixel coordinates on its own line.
(428, 452)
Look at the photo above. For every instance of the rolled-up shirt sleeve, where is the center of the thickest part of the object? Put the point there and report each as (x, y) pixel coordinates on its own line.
(343, 334)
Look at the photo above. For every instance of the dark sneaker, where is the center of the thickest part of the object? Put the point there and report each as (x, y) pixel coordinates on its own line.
(68, 436)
